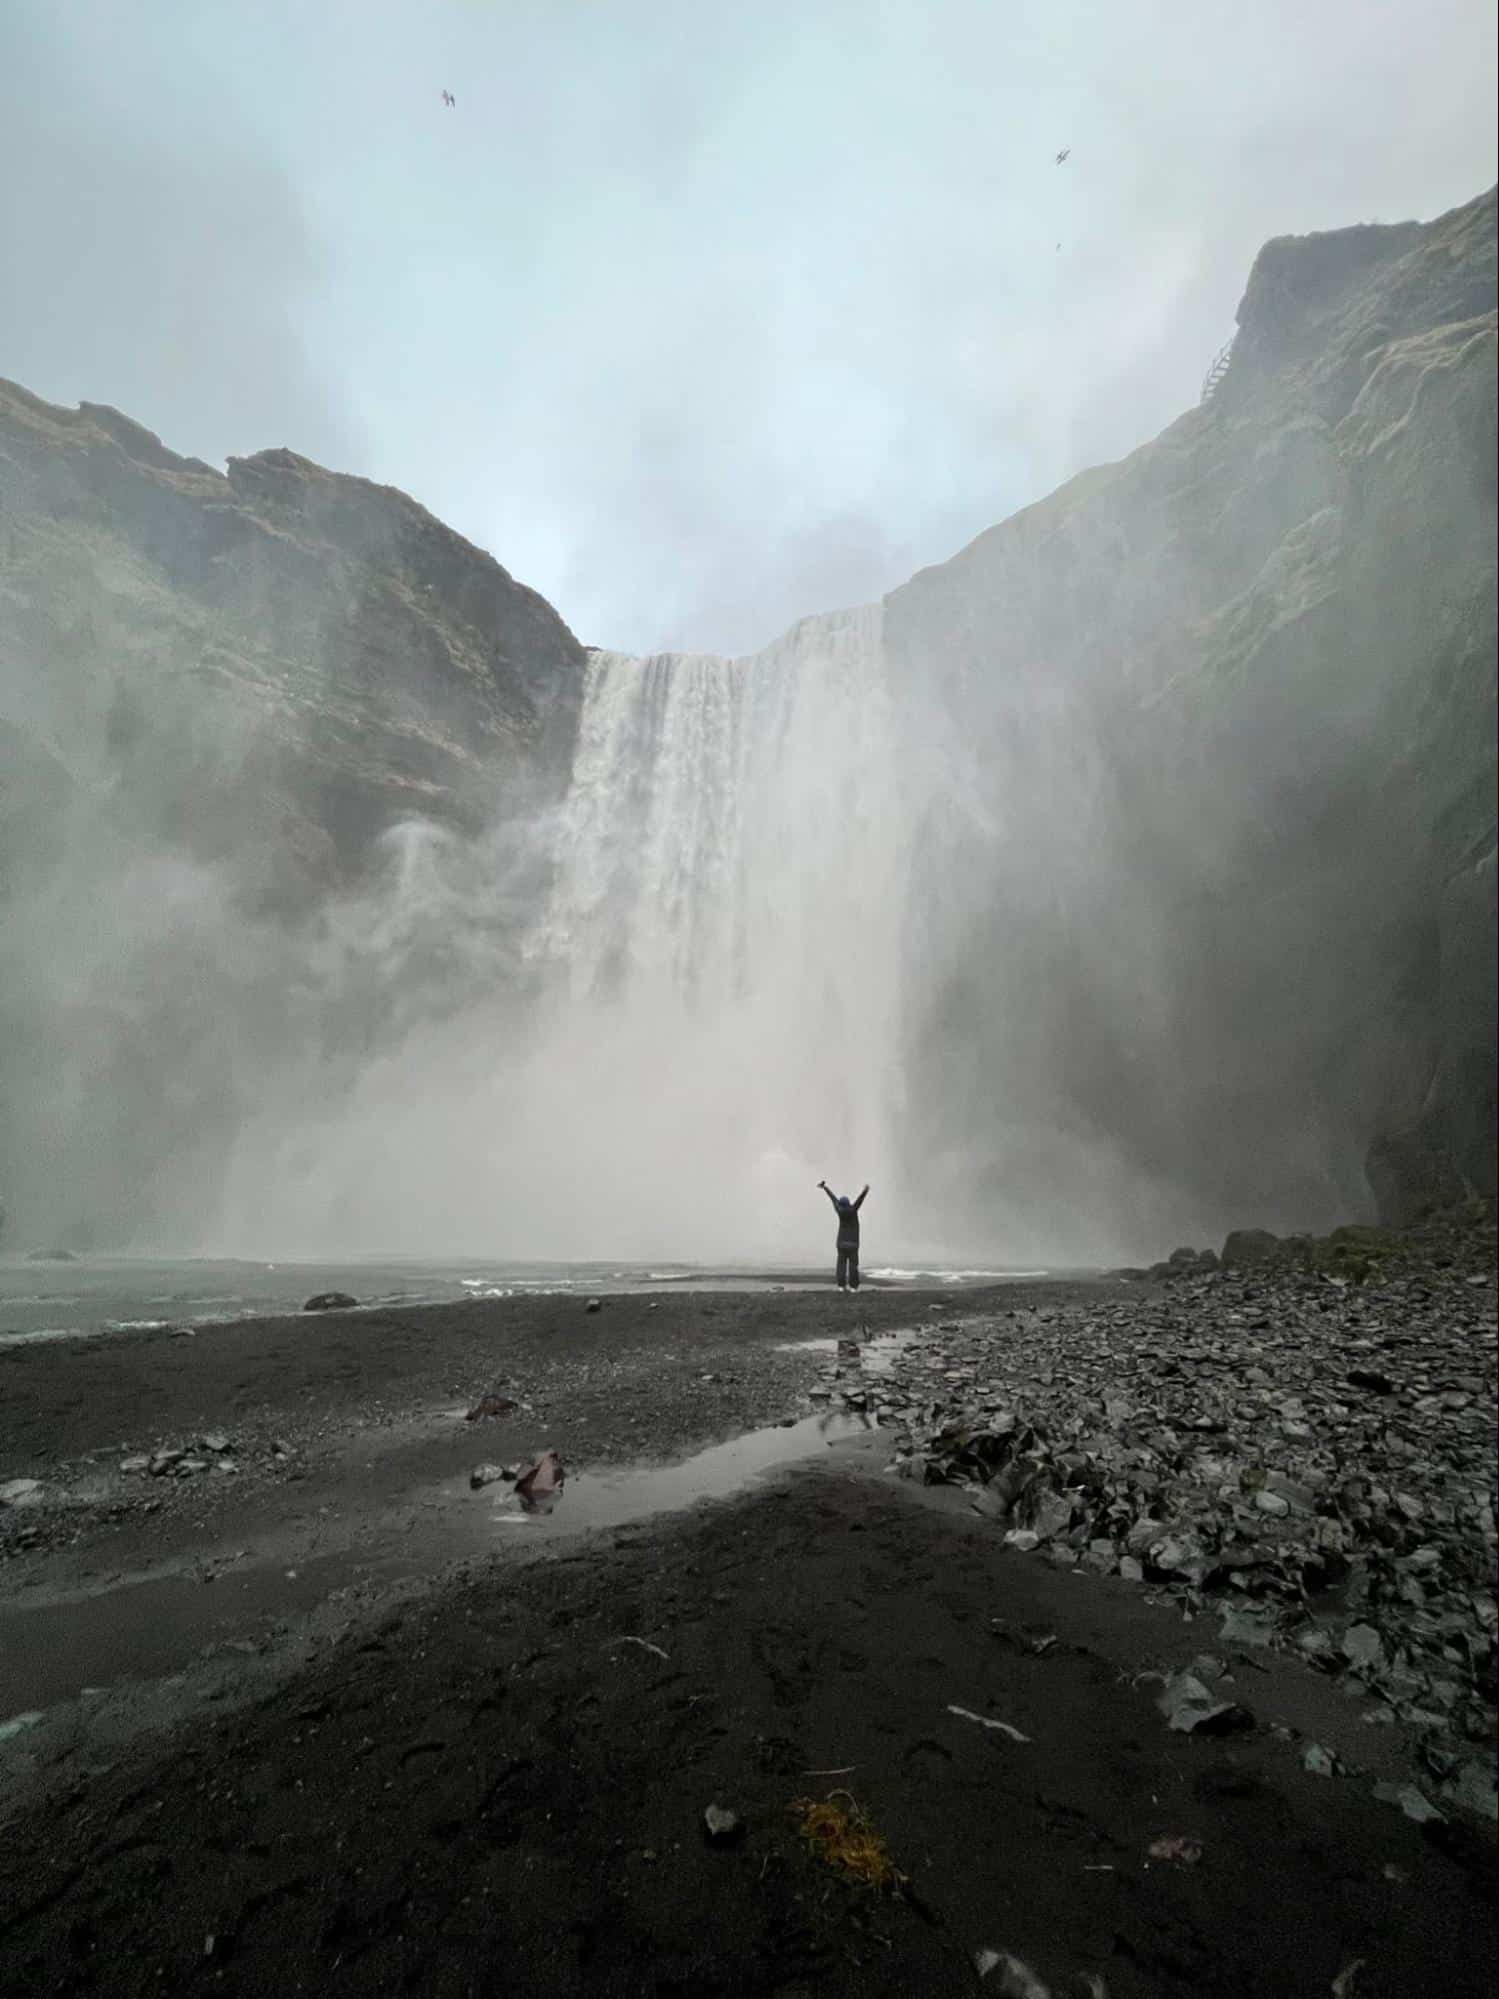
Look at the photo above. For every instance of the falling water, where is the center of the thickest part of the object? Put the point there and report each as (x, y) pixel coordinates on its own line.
(728, 907)
(709, 1015)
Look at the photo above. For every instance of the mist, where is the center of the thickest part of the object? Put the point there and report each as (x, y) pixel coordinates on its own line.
(1009, 848)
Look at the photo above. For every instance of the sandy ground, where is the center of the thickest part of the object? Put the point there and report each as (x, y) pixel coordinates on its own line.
(348, 1728)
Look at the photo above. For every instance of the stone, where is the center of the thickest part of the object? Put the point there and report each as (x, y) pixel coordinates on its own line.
(1191, 1709)
(1247, 1247)
(1053, 1515)
(20, 1492)
(1412, 1802)
(1319, 1762)
(1363, 1647)
(722, 1826)
(135, 1464)
(215, 1441)
(1372, 1379)
(329, 1301)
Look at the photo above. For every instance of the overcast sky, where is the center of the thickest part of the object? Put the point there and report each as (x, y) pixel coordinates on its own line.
(700, 316)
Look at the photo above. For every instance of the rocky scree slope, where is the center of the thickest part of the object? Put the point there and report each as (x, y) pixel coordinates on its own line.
(1237, 695)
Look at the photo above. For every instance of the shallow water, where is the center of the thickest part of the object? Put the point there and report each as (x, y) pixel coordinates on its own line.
(614, 1497)
(92, 1296)
(88, 1297)
(876, 1356)
(51, 1648)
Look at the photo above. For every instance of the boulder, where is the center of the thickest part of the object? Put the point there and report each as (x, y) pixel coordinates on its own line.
(1249, 1246)
(330, 1301)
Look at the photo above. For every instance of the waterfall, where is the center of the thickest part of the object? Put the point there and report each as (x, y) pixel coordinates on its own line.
(726, 918)
(705, 1015)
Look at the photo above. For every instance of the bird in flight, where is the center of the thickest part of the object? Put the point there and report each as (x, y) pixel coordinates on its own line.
(1065, 152)
(449, 99)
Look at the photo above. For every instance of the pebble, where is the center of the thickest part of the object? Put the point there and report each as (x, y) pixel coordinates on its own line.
(1214, 1440)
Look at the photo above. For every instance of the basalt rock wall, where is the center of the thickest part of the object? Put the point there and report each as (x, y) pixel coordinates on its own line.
(277, 663)
(1218, 879)
(250, 724)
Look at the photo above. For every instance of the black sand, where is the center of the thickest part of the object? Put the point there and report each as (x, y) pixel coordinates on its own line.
(406, 1782)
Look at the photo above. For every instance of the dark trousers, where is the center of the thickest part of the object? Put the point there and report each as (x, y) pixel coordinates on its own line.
(848, 1265)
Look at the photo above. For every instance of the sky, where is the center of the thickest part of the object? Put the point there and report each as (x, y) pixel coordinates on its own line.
(699, 317)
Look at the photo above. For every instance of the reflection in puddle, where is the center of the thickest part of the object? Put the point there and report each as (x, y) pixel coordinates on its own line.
(876, 1356)
(610, 1498)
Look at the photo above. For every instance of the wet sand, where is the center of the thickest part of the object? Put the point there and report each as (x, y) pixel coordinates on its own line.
(355, 1726)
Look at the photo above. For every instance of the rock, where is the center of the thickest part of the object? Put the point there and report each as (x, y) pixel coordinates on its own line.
(21, 1492)
(1192, 1710)
(1241, 1626)
(1053, 1515)
(215, 1441)
(329, 1301)
(1246, 1247)
(1320, 1762)
(491, 1405)
(1188, 1263)
(1372, 1379)
(1090, 1414)
(539, 1488)
(483, 1475)
(1143, 1534)
(1473, 1788)
(1016, 1979)
(594, 1305)
(1178, 1555)
(722, 1826)
(1412, 1802)
(135, 1464)
(1363, 1648)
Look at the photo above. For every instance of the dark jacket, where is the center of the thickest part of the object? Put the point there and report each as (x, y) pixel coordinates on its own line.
(848, 1217)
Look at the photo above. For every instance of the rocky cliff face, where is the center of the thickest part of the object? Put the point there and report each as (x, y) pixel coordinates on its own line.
(1238, 693)
(281, 661)
(221, 698)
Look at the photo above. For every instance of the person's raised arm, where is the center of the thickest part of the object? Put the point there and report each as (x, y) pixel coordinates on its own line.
(829, 1192)
(860, 1202)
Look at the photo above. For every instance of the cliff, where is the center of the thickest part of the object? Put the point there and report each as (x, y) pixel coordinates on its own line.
(220, 697)
(1244, 685)
(281, 661)
(1173, 903)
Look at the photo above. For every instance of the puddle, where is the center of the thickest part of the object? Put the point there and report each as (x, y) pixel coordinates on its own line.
(876, 1356)
(639, 1492)
(148, 1626)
